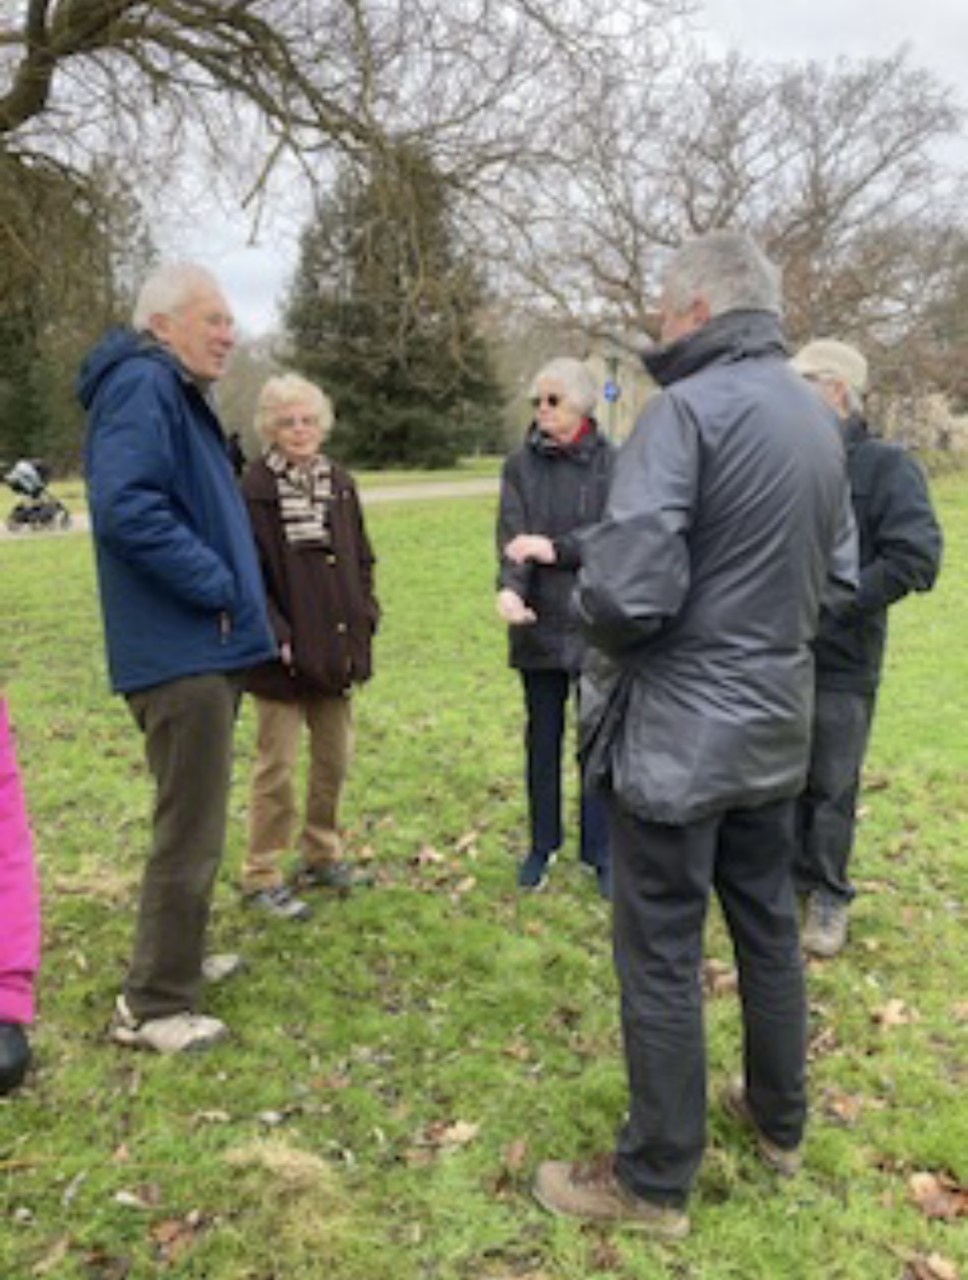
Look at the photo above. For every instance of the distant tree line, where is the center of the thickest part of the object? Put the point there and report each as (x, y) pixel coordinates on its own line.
(473, 164)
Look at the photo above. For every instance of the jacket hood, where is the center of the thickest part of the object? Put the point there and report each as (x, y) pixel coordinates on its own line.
(732, 336)
(114, 348)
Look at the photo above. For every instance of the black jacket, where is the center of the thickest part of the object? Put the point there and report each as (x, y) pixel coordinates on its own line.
(900, 551)
(728, 515)
(555, 491)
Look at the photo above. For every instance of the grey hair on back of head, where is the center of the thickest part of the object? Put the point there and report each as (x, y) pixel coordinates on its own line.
(167, 289)
(578, 387)
(726, 268)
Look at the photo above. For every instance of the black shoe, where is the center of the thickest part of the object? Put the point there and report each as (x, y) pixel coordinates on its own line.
(14, 1055)
(533, 871)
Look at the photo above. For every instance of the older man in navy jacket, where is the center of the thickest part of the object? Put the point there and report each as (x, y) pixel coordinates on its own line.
(184, 615)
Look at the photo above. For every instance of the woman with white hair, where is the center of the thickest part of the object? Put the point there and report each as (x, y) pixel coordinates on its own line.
(552, 486)
(318, 569)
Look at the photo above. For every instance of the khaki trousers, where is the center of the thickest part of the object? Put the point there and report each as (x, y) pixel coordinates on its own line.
(272, 806)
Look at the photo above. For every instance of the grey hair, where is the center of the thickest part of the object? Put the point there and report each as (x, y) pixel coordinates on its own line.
(728, 270)
(167, 289)
(286, 389)
(578, 387)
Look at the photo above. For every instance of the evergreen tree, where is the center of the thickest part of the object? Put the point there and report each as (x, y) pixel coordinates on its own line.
(383, 313)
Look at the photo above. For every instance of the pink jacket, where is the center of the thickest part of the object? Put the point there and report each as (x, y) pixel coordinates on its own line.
(19, 895)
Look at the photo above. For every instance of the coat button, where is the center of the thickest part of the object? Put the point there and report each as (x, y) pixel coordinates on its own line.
(341, 627)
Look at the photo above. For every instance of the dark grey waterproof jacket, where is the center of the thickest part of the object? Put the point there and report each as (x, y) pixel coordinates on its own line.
(555, 490)
(728, 519)
(900, 551)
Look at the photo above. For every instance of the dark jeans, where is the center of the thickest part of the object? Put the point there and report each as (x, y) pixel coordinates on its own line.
(662, 878)
(546, 695)
(188, 726)
(826, 811)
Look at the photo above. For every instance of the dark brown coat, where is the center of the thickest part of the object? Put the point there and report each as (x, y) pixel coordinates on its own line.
(321, 602)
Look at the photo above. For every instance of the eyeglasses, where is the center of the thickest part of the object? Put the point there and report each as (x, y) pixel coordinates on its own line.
(552, 401)
(291, 421)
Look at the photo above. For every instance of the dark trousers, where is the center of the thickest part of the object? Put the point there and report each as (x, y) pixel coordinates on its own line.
(546, 695)
(662, 877)
(187, 726)
(826, 812)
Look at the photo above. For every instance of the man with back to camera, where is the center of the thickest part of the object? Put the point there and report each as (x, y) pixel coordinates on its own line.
(728, 519)
(184, 616)
(900, 552)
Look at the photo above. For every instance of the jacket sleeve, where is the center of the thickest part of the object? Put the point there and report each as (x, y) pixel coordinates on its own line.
(261, 516)
(635, 570)
(512, 519)
(905, 535)
(131, 476)
(840, 586)
(366, 559)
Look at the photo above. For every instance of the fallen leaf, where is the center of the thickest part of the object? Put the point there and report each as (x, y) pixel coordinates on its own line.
(843, 1107)
(464, 886)
(466, 842)
(175, 1236)
(938, 1196)
(718, 978)
(895, 1014)
(427, 855)
(960, 1011)
(515, 1153)
(53, 1258)
(933, 1267)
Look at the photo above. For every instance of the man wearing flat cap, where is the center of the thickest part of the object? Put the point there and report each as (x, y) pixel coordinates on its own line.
(900, 551)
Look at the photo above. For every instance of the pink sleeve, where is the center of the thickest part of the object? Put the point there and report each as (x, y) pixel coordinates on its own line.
(19, 895)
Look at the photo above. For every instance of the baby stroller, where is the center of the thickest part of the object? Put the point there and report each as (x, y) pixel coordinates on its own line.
(39, 508)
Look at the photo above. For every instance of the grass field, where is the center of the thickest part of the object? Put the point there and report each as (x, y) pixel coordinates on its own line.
(399, 1064)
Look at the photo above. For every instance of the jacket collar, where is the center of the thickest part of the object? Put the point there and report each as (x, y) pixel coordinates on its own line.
(580, 450)
(732, 336)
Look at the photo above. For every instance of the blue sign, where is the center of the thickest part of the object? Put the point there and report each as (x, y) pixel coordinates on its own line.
(611, 391)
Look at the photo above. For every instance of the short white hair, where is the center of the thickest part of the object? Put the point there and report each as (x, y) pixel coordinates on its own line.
(286, 389)
(167, 289)
(826, 359)
(578, 387)
(726, 268)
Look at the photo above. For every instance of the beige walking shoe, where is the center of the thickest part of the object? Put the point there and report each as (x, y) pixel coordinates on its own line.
(785, 1161)
(178, 1033)
(590, 1190)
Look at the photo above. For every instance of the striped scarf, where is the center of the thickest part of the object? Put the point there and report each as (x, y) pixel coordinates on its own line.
(305, 496)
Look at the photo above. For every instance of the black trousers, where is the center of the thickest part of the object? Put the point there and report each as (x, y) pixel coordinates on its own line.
(188, 727)
(546, 695)
(662, 881)
(826, 813)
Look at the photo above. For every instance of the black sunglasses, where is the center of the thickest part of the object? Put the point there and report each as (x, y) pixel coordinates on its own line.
(553, 401)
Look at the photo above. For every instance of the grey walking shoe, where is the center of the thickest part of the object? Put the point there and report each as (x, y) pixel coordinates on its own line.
(178, 1033)
(785, 1161)
(279, 902)
(824, 927)
(332, 875)
(221, 966)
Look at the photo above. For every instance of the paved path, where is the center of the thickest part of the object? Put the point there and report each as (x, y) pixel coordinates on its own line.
(425, 489)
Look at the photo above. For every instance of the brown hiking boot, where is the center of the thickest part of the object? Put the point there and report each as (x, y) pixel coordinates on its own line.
(590, 1190)
(782, 1160)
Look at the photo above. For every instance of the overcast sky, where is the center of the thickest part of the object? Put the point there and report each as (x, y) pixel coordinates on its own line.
(936, 32)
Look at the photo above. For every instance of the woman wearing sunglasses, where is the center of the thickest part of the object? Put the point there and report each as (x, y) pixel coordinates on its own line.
(553, 485)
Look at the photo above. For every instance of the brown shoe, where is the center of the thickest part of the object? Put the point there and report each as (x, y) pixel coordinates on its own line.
(591, 1191)
(785, 1161)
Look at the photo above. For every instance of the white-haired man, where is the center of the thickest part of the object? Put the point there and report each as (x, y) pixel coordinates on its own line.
(900, 552)
(184, 616)
(727, 520)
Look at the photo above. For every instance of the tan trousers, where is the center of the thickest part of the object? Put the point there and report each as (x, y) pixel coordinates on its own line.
(272, 806)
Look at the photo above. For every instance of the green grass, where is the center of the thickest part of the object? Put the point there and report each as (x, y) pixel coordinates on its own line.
(444, 1004)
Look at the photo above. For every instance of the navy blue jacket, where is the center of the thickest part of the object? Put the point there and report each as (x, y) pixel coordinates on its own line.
(181, 589)
(900, 552)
